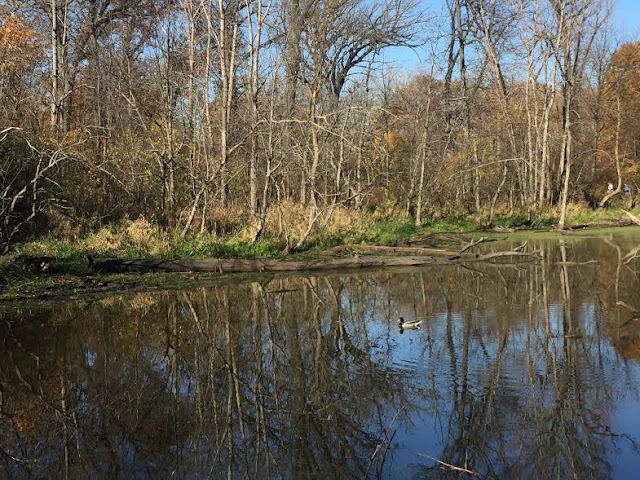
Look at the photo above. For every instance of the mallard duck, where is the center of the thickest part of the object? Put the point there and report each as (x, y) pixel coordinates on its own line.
(408, 325)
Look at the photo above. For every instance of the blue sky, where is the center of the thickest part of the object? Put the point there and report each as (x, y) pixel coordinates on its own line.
(625, 20)
(626, 17)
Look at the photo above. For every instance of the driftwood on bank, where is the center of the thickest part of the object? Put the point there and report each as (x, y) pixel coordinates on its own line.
(408, 250)
(632, 217)
(219, 265)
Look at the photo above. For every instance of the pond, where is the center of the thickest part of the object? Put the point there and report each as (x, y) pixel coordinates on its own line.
(521, 369)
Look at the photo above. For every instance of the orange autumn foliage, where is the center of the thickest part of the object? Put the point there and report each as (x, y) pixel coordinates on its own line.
(18, 46)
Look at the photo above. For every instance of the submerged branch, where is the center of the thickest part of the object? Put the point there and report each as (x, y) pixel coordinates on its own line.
(455, 468)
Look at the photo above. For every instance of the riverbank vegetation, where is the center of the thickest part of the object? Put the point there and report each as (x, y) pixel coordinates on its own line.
(53, 266)
(141, 239)
(227, 129)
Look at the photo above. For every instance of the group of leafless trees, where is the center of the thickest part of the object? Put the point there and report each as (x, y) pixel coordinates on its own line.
(205, 114)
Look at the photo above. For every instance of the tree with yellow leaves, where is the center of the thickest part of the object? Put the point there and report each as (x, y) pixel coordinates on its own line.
(20, 54)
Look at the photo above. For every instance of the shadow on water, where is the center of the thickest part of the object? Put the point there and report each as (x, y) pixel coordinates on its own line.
(519, 371)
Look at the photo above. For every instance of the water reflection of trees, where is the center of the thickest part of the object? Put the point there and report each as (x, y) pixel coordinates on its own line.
(253, 380)
(513, 373)
(555, 420)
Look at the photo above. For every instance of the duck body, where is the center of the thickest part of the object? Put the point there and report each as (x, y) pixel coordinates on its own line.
(408, 324)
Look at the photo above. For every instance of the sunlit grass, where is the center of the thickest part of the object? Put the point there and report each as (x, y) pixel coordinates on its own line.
(211, 246)
(66, 265)
(577, 217)
(140, 239)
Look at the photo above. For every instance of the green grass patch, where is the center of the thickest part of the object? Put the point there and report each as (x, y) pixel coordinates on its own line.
(387, 230)
(25, 271)
(452, 223)
(51, 247)
(209, 246)
(601, 215)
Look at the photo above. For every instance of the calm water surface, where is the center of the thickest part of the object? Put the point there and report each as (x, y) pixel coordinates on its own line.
(520, 370)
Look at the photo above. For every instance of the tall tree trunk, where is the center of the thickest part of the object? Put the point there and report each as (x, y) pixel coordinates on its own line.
(566, 148)
(55, 69)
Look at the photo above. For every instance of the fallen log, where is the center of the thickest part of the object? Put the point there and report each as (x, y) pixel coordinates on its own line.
(392, 249)
(472, 244)
(633, 254)
(443, 237)
(503, 229)
(219, 265)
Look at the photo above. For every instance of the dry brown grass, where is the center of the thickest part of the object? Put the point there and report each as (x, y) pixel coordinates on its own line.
(287, 219)
(218, 220)
(226, 220)
(103, 240)
(110, 301)
(143, 234)
(344, 219)
(138, 233)
(291, 220)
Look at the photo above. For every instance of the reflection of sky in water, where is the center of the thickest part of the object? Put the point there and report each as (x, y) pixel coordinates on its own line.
(523, 380)
(487, 339)
(424, 437)
(626, 418)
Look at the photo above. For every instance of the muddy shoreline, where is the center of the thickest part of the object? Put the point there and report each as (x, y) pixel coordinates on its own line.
(45, 279)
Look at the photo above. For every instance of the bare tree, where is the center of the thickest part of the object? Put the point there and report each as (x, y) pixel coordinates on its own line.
(577, 23)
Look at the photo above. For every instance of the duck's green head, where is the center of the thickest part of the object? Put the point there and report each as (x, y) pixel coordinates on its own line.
(400, 320)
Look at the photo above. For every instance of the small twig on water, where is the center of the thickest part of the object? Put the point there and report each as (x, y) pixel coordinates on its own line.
(455, 468)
